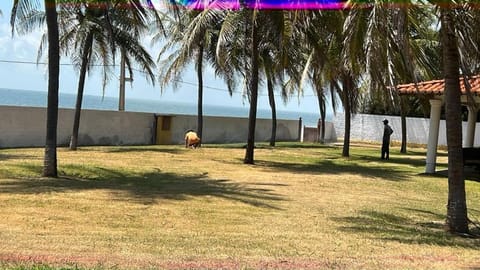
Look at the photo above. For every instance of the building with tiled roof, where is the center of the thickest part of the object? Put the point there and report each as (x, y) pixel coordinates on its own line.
(435, 90)
(436, 87)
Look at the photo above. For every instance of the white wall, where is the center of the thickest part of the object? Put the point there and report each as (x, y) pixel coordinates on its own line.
(25, 127)
(231, 129)
(311, 134)
(367, 127)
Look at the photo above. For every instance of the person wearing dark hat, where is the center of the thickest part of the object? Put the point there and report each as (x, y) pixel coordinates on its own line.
(387, 131)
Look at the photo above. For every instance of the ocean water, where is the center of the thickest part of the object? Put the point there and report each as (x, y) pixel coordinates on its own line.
(39, 99)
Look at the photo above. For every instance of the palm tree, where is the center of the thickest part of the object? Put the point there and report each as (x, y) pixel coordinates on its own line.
(252, 40)
(132, 19)
(84, 29)
(93, 30)
(341, 74)
(90, 33)
(269, 65)
(192, 37)
(50, 160)
(252, 86)
(261, 28)
(323, 92)
(280, 58)
(20, 9)
(319, 32)
(271, 56)
(393, 44)
(457, 220)
(459, 44)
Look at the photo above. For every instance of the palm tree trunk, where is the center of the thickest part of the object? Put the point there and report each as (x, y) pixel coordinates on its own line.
(323, 116)
(346, 96)
(252, 117)
(403, 117)
(200, 93)
(346, 138)
(457, 220)
(121, 95)
(81, 86)
(271, 100)
(50, 159)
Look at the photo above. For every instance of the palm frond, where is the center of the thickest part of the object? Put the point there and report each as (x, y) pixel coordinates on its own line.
(22, 9)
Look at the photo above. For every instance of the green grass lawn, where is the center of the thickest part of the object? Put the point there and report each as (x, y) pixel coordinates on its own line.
(301, 206)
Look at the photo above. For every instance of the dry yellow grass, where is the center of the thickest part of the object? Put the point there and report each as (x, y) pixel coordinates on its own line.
(300, 206)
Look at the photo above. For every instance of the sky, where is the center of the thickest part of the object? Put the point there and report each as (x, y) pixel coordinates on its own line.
(28, 76)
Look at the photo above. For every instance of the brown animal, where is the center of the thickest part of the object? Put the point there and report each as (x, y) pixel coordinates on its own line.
(191, 139)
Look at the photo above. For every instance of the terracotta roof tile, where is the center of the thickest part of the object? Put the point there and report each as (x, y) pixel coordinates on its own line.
(437, 87)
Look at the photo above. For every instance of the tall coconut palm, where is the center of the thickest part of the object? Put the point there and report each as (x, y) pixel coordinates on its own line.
(342, 75)
(280, 59)
(319, 32)
(242, 27)
(93, 31)
(253, 87)
(83, 37)
(132, 17)
(19, 10)
(457, 221)
(250, 41)
(268, 70)
(50, 160)
(192, 36)
(276, 52)
(263, 27)
(457, 42)
(391, 42)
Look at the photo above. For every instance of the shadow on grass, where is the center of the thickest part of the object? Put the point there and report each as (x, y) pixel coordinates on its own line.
(404, 160)
(266, 145)
(8, 156)
(331, 166)
(296, 145)
(237, 146)
(131, 149)
(143, 188)
(390, 227)
(471, 173)
(423, 153)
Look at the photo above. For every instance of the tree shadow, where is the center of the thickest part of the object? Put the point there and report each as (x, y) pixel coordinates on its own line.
(296, 145)
(132, 149)
(144, 188)
(331, 166)
(390, 227)
(224, 146)
(8, 156)
(404, 160)
(237, 146)
(470, 173)
(423, 153)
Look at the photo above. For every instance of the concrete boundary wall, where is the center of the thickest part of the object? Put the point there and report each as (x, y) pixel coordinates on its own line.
(311, 134)
(366, 127)
(25, 127)
(232, 130)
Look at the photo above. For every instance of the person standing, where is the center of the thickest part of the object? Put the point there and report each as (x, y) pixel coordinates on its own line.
(387, 131)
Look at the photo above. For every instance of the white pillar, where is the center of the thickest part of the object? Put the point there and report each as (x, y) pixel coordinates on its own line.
(436, 108)
(472, 122)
